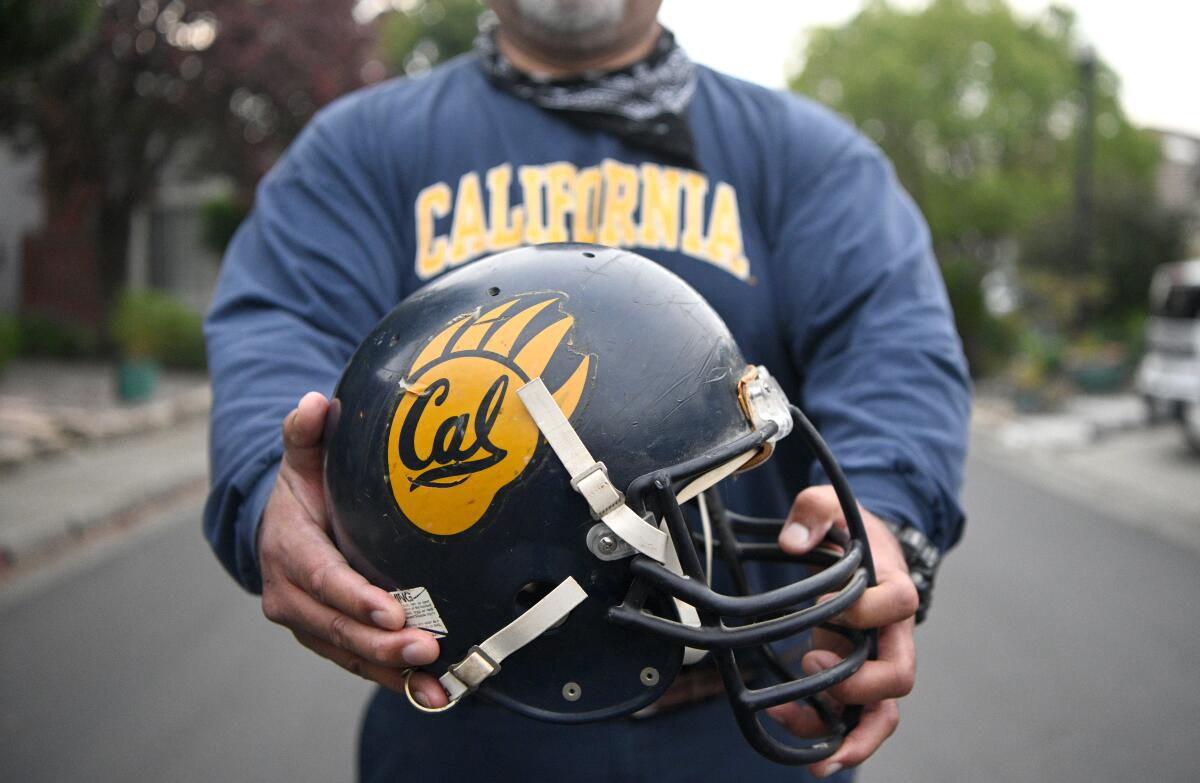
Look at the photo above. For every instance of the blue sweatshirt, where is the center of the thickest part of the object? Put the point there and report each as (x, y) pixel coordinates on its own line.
(795, 230)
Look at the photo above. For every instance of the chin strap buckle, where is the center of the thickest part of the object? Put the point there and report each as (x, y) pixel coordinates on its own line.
(483, 660)
(589, 477)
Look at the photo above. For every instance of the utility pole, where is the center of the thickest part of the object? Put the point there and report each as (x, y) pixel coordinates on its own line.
(1081, 234)
(1082, 218)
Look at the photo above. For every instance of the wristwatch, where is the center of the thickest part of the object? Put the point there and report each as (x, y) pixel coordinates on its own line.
(922, 558)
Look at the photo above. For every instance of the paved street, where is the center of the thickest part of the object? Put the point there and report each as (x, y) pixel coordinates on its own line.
(147, 663)
(1063, 646)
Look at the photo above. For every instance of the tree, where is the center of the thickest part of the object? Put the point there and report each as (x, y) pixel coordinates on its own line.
(978, 110)
(32, 31)
(229, 80)
(1133, 234)
(423, 33)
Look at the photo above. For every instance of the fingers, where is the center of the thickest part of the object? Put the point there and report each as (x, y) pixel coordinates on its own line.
(814, 512)
(300, 612)
(302, 433)
(799, 719)
(424, 687)
(891, 676)
(878, 722)
(323, 595)
(387, 676)
(293, 547)
(892, 600)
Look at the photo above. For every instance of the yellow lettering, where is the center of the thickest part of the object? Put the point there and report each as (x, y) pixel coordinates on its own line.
(560, 177)
(660, 207)
(469, 234)
(506, 224)
(532, 180)
(725, 233)
(587, 205)
(695, 185)
(620, 199)
(433, 202)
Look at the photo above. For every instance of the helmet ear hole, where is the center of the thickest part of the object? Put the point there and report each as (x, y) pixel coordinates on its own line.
(529, 594)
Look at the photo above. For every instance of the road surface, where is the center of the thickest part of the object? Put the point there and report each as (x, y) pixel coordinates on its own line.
(1064, 645)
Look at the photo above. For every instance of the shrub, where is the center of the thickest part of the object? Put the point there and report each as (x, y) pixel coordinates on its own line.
(51, 336)
(10, 339)
(221, 217)
(149, 324)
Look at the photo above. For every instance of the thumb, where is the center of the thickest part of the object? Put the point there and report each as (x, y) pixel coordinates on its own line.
(814, 511)
(302, 434)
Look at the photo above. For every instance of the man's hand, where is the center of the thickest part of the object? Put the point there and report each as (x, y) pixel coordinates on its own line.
(890, 606)
(310, 589)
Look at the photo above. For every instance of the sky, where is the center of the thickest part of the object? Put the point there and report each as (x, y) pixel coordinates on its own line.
(1153, 45)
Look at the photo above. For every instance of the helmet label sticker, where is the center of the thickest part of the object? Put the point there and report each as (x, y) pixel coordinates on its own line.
(420, 611)
(459, 435)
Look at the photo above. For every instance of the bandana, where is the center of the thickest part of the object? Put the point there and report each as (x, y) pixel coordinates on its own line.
(643, 104)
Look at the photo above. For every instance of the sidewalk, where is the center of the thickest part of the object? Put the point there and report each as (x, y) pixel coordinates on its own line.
(73, 458)
(1100, 452)
(1083, 421)
(47, 501)
(49, 407)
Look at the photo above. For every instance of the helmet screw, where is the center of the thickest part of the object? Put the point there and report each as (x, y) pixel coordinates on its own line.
(607, 544)
(571, 691)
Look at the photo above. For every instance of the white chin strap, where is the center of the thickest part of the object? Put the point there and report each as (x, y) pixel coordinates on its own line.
(589, 477)
(484, 659)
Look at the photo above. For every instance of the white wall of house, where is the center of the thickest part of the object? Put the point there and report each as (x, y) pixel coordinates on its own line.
(20, 213)
(167, 250)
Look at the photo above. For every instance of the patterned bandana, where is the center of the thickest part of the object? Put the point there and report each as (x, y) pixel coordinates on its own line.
(643, 104)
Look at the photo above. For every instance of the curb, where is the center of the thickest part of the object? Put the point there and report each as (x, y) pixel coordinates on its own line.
(28, 544)
(29, 432)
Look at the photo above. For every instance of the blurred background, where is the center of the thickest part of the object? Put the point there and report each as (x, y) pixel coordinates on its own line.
(1054, 150)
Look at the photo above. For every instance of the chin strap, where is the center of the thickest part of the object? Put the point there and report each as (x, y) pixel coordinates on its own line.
(589, 477)
(483, 660)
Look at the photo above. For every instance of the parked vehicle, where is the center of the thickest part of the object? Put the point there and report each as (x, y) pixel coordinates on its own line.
(1169, 376)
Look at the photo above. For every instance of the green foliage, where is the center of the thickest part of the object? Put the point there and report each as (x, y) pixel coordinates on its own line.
(221, 217)
(987, 340)
(975, 106)
(149, 324)
(33, 31)
(51, 336)
(10, 339)
(427, 33)
(1133, 235)
(978, 109)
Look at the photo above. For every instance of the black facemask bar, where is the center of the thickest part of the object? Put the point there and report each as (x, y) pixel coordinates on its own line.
(845, 568)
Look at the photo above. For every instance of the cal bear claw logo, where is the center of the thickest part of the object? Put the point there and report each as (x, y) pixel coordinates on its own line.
(459, 435)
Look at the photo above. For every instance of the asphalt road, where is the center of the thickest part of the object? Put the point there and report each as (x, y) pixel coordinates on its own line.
(1064, 646)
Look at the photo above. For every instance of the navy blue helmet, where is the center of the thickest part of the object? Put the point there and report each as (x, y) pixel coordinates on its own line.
(524, 451)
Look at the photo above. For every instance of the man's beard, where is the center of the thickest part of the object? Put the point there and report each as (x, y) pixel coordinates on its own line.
(596, 19)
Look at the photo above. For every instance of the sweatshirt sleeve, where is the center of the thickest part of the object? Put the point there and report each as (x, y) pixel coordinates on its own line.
(883, 374)
(306, 277)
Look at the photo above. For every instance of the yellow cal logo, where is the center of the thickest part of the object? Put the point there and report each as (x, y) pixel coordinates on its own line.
(460, 434)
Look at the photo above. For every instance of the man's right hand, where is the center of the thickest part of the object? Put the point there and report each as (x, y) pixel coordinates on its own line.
(309, 588)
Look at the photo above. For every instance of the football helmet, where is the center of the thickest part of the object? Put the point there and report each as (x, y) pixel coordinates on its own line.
(523, 453)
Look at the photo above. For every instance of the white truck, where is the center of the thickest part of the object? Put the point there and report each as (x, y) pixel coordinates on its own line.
(1169, 376)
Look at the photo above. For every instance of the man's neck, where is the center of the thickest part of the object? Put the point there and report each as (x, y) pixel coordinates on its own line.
(528, 60)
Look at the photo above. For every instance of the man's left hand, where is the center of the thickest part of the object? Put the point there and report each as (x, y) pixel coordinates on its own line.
(890, 606)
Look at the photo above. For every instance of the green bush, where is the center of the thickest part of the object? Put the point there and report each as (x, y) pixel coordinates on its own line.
(149, 324)
(987, 340)
(221, 217)
(51, 336)
(10, 339)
